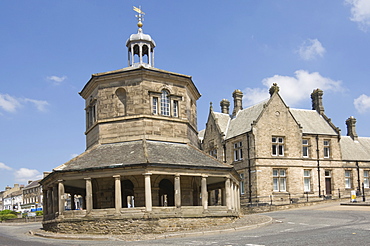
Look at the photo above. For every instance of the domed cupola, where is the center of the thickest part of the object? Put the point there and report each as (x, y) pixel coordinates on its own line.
(140, 46)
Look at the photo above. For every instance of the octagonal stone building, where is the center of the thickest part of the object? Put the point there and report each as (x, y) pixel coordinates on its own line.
(142, 163)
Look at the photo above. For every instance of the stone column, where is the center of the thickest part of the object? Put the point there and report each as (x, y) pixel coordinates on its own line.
(232, 194)
(89, 200)
(61, 198)
(177, 191)
(55, 199)
(50, 200)
(238, 199)
(118, 194)
(148, 192)
(204, 193)
(228, 193)
(45, 201)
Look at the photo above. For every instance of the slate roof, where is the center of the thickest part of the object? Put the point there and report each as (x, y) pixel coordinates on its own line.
(223, 121)
(141, 152)
(242, 123)
(355, 150)
(34, 183)
(312, 122)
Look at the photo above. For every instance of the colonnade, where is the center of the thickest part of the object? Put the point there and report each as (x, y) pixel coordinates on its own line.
(54, 197)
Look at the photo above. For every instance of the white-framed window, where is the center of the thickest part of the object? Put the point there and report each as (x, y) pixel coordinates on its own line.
(277, 146)
(307, 180)
(165, 103)
(242, 189)
(279, 180)
(155, 105)
(326, 148)
(91, 114)
(348, 179)
(305, 148)
(213, 152)
(238, 151)
(175, 108)
(366, 179)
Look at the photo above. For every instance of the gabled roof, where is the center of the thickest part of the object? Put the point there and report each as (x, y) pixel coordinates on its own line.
(242, 122)
(142, 152)
(222, 120)
(312, 122)
(34, 183)
(201, 134)
(353, 150)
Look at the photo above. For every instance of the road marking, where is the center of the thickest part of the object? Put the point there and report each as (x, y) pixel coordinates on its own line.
(304, 224)
(291, 223)
(287, 230)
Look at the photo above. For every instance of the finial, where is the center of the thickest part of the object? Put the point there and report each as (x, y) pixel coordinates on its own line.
(211, 106)
(139, 16)
(274, 89)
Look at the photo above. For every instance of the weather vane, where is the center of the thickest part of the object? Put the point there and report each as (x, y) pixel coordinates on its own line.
(139, 16)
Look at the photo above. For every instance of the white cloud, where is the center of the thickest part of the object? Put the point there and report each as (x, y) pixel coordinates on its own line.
(292, 89)
(56, 80)
(3, 166)
(9, 103)
(360, 13)
(23, 175)
(311, 49)
(40, 105)
(362, 103)
(12, 104)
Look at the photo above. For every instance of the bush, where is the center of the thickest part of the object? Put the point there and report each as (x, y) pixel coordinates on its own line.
(7, 214)
(39, 213)
(7, 211)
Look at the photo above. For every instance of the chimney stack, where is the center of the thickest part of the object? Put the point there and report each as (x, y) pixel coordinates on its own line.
(351, 128)
(238, 98)
(316, 97)
(225, 104)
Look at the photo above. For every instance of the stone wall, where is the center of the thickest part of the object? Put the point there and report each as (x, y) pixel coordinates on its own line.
(133, 226)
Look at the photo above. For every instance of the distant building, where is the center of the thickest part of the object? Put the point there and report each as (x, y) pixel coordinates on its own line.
(283, 153)
(11, 200)
(32, 196)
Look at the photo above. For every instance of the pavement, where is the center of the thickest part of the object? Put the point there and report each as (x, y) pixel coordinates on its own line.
(245, 222)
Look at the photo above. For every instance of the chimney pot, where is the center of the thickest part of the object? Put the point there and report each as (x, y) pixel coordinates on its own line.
(351, 128)
(238, 98)
(225, 104)
(316, 97)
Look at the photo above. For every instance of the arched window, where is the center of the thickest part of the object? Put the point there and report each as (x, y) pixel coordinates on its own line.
(165, 103)
(120, 106)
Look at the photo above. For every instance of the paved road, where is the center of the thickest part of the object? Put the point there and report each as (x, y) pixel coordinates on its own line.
(327, 224)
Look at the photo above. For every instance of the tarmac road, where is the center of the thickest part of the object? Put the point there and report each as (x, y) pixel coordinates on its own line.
(325, 224)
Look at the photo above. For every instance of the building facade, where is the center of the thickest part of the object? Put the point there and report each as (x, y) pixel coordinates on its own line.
(285, 154)
(32, 196)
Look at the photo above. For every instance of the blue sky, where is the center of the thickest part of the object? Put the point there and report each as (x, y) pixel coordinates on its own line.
(49, 49)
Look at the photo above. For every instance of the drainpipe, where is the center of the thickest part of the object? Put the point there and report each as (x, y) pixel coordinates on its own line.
(224, 146)
(249, 171)
(318, 163)
(358, 178)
